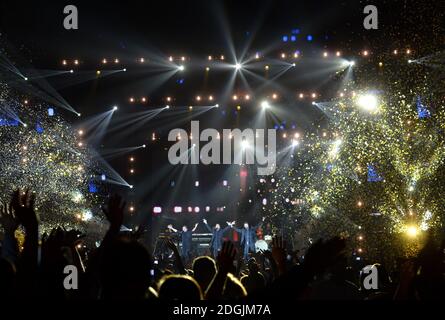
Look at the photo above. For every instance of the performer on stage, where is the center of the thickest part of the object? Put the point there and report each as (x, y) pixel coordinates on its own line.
(248, 238)
(217, 234)
(186, 240)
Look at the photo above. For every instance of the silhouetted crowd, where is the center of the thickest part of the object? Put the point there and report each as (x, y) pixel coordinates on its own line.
(51, 266)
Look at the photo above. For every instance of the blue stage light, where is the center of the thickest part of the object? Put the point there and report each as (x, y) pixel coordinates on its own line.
(285, 38)
(103, 177)
(309, 37)
(295, 31)
(293, 38)
(39, 128)
(92, 188)
(422, 111)
(50, 112)
(180, 81)
(5, 122)
(373, 176)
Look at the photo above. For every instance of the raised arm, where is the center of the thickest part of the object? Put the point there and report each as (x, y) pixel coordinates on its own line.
(10, 224)
(194, 228)
(207, 225)
(259, 224)
(170, 227)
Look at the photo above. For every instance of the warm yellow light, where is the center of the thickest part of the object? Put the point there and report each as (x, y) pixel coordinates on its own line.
(412, 231)
(368, 102)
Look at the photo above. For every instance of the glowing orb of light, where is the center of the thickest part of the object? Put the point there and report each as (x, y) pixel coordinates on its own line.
(367, 102)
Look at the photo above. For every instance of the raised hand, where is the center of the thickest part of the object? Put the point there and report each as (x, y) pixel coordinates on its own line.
(279, 253)
(23, 205)
(204, 220)
(170, 226)
(8, 219)
(115, 211)
(226, 256)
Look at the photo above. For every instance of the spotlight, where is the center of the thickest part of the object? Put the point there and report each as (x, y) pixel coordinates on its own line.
(181, 68)
(144, 146)
(198, 98)
(410, 61)
(98, 72)
(167, 107)
(314, 103)
(76, 62)
(266, 67)
(244, 144)
(325, 54)
(294, 64)
(412, 231)
(116, 60)
(294, 143)
(216, 105)
(71, 71)
(238, 66)
(130, 186)
(141, 60)
(301, 95)
(25, 125)
(125, 69)
(64, 62)
(194, 145)
(349, 63)
(338, 53)
(368, 102)
(115, 108)
(265, 104)
(79, 114)
(104, 61)
(26, 79)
